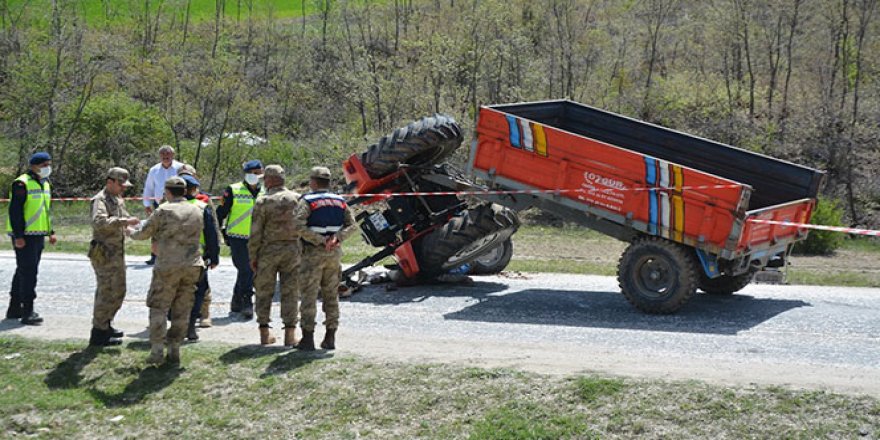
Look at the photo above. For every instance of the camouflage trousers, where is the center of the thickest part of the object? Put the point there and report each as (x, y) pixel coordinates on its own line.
(319, 273)
(110, 291)
(171, 290)
(278, 261)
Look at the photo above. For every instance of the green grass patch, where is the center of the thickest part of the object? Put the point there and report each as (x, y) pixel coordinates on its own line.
(65, 390)
(853, 278)
(591, 389)
(530, 421)
(869, 245)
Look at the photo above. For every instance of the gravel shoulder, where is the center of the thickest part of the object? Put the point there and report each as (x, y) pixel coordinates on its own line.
(797, 336)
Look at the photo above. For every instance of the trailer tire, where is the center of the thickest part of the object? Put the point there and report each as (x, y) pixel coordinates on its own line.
(725, 284)
(657, 276)
(420, 143)
(493, 261)
(464, 238)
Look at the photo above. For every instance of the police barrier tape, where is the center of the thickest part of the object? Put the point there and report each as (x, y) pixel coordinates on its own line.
(459, 193)
(857, 231)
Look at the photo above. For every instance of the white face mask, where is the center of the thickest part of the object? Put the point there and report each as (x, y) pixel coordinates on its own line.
(45, 171)
(251, 179)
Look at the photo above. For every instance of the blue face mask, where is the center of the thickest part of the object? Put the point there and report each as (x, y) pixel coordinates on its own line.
(45, 172)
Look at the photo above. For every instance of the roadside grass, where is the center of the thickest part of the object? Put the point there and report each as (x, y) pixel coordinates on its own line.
(63, 390)
(834, 278)
(565, 249)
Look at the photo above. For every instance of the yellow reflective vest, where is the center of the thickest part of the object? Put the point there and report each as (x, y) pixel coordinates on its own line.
(202, 205)
(36, 207)
(238, 223)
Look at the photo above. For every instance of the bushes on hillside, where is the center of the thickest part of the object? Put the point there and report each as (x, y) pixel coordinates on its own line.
(827, 213)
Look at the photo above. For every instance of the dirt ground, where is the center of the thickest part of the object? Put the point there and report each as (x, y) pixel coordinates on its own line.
(571, 244)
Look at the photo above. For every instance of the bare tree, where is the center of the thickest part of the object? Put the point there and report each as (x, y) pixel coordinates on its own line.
(865, 13)
(656, 14)
(789, 60)
(743, 20)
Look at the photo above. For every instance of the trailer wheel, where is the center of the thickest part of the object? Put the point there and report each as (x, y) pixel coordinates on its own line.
(422, 142)
(725, 284)
(657, 276)
(464, 238)
(493, 261)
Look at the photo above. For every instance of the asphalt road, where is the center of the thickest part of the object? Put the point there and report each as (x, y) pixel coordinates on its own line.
(800, 336)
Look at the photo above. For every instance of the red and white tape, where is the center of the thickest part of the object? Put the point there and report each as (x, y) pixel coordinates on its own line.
(537, 191)
(461, 193)
(857, 231)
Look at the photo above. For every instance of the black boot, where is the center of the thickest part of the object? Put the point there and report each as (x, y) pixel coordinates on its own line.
(307, 343)
(116, 333)
(247, 312)
(329, 342)
(29, 316)
(14, 310)
(102, 338)
(235, 304)
(191, 334)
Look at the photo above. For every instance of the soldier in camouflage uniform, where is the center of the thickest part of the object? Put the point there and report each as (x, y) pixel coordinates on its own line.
(107, 254)
(175, 226)
(277, 225)
(330, 217)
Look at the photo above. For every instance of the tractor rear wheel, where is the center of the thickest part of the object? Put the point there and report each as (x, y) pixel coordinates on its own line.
(421, 143)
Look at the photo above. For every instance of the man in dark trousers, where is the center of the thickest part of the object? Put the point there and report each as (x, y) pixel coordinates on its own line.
(210, 243)
(29, 223)
(234, 215)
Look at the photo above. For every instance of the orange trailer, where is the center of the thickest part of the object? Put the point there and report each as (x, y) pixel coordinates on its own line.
(683, 202)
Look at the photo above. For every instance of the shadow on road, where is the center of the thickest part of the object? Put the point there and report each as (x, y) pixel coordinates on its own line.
(379, 295)
(702, 314)
(10, 324)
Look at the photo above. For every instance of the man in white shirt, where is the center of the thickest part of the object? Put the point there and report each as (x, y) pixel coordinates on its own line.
(154, 185)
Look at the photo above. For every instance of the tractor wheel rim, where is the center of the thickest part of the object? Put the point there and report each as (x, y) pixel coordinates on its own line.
(655, 276)
(491, 257)
(474, 247)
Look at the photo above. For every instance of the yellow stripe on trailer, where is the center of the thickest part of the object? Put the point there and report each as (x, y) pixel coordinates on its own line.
(678, 203)
(540, 139)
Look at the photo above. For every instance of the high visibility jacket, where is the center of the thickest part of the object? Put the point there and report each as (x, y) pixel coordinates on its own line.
(327, 215)
(36, 207)
(202, 205)
(238, 223)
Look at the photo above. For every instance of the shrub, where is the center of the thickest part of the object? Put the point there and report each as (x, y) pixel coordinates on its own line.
(827, 213)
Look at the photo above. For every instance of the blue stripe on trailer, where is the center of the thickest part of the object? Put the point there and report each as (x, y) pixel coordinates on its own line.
(514, 132)
(650, 170)
(653, 208)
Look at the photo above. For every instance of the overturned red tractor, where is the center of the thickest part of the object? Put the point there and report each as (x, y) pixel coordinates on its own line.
(411, 213)
(697, 214)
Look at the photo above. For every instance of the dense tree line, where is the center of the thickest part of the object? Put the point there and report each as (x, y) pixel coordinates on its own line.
(795, 79)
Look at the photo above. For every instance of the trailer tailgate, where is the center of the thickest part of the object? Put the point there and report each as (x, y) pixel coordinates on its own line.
(757, 236)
